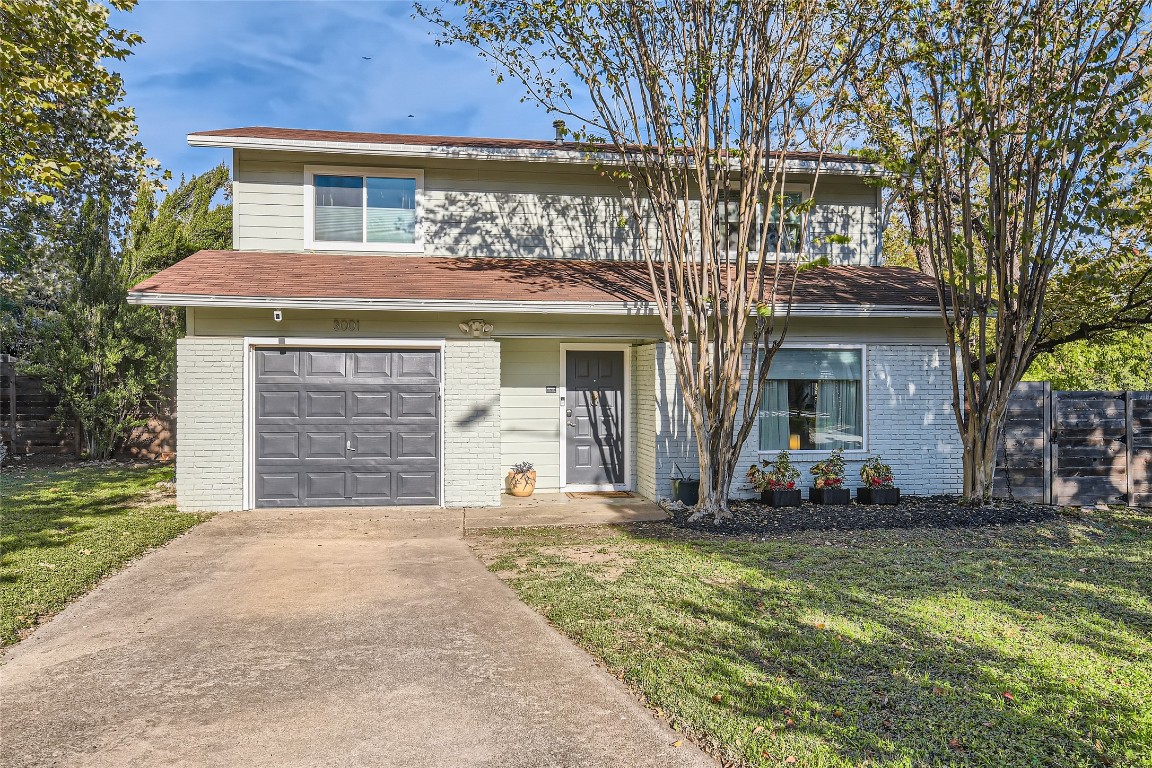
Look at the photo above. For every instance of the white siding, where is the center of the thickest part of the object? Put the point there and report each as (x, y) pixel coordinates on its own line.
(511, 209)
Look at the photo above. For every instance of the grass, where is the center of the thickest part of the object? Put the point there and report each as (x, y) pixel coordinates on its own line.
(1024, 645)
(63, 530)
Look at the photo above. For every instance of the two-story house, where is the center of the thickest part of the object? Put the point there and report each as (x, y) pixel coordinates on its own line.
(405, 317)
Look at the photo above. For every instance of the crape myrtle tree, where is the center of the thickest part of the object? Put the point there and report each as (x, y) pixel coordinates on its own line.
(1010, 126)
(692, 107)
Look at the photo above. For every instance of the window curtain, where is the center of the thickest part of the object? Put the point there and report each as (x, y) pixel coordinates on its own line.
(774, 415)
(838, 415)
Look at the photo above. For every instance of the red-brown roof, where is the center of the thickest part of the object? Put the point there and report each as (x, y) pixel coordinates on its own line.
(250, 274)
(357, 137)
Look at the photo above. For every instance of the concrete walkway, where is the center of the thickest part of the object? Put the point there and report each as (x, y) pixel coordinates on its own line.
(311, 638)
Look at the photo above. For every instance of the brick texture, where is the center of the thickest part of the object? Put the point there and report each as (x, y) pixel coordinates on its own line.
(472, 423)
(210, 443)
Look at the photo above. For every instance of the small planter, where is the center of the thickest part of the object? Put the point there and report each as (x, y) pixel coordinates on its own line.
(522, 483)
(829, 495)
(889, 496)
(687, 491)
(781, 498)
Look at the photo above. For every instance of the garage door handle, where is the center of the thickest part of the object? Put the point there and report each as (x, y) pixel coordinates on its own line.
(349, 446)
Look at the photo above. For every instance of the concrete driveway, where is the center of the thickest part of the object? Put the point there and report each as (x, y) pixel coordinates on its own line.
(315, 638)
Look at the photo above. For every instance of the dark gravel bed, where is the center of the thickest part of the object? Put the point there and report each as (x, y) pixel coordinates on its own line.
(752, 517)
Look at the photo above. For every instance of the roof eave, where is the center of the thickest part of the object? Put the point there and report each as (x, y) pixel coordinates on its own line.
(578, 157)
(633, 308)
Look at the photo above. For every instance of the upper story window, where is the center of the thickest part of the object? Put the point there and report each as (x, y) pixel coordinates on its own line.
(783, 228)
(364, 210)
(813, 400)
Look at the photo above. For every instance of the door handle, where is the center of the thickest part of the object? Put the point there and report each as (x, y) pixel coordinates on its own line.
(349, 446)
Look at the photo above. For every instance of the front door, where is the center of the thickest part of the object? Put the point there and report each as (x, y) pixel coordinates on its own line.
(595, 418)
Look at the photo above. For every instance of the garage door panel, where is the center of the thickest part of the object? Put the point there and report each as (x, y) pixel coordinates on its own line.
(371, 405)
(417, 405)
(372, 485)
(278, 445)
(372, 445)
(275, 364)
(326, 445)
(325, 364)
(278, 405)
(372, 365)
(347, 427)
(418, 365)
(320, 404)
(278, 488)
(416, 487)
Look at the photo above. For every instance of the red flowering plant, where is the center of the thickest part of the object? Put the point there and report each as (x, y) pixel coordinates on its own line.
(777, 475)
(830, 472)
(876, 474)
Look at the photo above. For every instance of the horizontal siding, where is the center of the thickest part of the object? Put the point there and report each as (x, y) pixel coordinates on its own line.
(514, 209)
(529, 415)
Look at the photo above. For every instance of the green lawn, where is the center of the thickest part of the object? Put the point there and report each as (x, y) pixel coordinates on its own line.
(62, 530)
(1014, 646)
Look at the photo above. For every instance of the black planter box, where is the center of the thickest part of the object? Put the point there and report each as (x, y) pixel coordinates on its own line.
(784, 498)
(829, 496)
(687, 491)
(878, 495)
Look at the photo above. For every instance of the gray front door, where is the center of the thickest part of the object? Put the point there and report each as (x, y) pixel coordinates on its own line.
(595, 418)
(340, 427)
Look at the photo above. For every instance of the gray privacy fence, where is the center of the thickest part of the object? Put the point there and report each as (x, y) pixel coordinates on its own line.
(1076, 448)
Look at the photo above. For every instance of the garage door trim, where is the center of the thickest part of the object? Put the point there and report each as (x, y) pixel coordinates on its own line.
(249, 405)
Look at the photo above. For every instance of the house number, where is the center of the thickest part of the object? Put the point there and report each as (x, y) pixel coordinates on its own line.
(343, 324)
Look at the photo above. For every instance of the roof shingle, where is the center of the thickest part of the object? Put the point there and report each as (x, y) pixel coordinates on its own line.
(249, 274)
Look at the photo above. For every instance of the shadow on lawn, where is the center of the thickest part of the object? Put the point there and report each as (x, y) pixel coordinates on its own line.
(46, 510)
(917, 649)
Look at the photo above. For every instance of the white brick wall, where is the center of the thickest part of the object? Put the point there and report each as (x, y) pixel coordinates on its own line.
(909, 412)
(472, 423)
(210, 439)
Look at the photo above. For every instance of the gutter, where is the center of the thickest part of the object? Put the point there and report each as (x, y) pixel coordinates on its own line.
(477, 153)
(618, 308)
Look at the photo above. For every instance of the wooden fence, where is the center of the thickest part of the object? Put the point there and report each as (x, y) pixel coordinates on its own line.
(28, 425)
(1076, 448)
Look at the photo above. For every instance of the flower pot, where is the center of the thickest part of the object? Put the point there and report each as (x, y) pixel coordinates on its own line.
(877, 495)
(522, 483)
(687, 491)
(789, 497)
(829, 495)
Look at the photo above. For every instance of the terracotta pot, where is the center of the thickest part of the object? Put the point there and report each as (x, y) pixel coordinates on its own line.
(522, 483)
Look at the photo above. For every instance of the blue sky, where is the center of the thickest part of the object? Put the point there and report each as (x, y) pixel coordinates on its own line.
(208, 64)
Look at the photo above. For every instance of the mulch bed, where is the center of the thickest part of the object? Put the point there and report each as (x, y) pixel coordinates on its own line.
(752, 517)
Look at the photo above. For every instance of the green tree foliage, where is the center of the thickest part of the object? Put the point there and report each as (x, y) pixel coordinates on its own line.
(110, 362)
(61, 110)
(1013, 128)
(1123, 362)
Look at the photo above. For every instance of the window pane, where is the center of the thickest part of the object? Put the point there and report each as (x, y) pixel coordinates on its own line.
(339, 209)
(391, 210)
(813, 401)
(788, 231)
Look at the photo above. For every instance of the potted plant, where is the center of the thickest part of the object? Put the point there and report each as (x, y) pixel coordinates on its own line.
(685, 489)
(776, 481)
(879, 487)
(828, 485)
(522, 479)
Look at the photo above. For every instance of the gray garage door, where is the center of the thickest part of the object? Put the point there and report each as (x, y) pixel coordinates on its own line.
(347, 427)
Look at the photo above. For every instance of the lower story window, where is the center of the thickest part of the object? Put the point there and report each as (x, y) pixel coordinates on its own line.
(813, 400)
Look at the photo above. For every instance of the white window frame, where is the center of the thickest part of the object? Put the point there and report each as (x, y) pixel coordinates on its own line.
(366, 172)
(805, 192)
(808, 454)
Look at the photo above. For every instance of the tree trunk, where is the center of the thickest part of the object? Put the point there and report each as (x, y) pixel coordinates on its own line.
(980, 445)
(716, 471)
